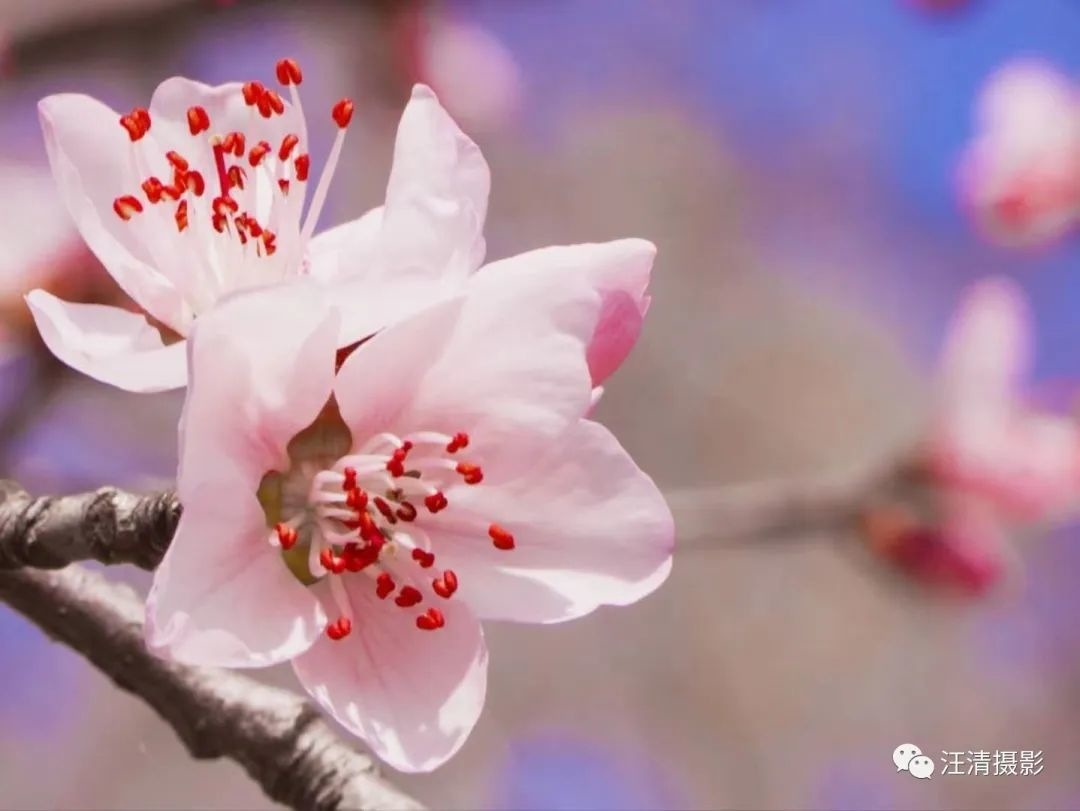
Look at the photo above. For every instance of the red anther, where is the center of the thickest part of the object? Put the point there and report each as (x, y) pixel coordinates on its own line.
(127, 207)
(153, 189)
(195, 183)
(387, 511)
(288, 144)
(288, 72)
(446, 585)
(326, 558)
(472, 474)
(262, 104)
(339, 629)
(396, 464)
(501, 538)
(368, 531)
(237, 177)
(459, 441)
(435, 502)
(258, 152)
(182, 216)
(137, 123)
(408, 597)
(339, 565)
(343, 112)
(253, 91)
(425, 559)
(223, 204)
(407, 511)
(179, 163)
(431, 620)
(219, 222)
(384, 585)
(253, 226)
(286, 536)
(143, 117)
(283, 185)
(406, 445)
(234, 143)
(350, 478)
(274, 102)
(269, 240)
(303, 167)
(357, 499)
(175, 191)
(198, 120)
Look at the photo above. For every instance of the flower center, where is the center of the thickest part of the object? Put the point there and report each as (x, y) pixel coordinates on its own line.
(366, 515)
(232, 199)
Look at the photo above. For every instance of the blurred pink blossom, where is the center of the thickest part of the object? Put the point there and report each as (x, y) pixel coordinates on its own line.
(472, 71)
(1020, 177)
(986, 440)
(358, 512)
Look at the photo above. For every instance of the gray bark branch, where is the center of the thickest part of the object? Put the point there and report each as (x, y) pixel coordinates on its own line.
(276, 736)
(108, 525)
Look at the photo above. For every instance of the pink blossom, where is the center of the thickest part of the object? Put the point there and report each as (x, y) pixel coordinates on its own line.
(472, 71)
(357, 512)
(1020, 178)
(986, 440)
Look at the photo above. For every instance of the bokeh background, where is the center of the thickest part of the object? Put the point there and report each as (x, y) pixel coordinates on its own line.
(794, 161)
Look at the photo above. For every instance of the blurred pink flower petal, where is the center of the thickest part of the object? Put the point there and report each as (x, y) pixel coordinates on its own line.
(985, 439)
(966, 554)
(471, 70)
(1020, 177)
(439, 472)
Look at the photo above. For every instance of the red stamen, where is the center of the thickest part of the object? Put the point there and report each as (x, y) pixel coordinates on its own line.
(343, 113)
(219, 163)
(195, 183)
(501, 538)
(446, 585)
(357, 499)
(384, 586)
(153, 189)
(435, 502)
(303, 167)
(386, 510)
(127, 207)
(258, 152)
(234, 143)
(179, 163)
(425, 559)
(253, 91)
(459, 441)
(274, 102)
(288, 144)
(219, 222)
(339, 629)
(198, 120)
(288, 72)
(269, 240)
(283, 185)
(472, 474)
(408, 597)
(182, 216)
(431, 620)
(236, 177)
(286, 536)
(407, 511)
(350, 479)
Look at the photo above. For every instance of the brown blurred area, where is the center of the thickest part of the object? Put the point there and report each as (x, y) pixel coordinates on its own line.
(759, 676)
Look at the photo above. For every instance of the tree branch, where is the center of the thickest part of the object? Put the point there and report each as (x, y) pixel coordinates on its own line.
(109, 525)
(278, 738)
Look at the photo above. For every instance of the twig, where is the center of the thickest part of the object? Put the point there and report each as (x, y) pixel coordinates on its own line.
(109, 525)
(276, 736)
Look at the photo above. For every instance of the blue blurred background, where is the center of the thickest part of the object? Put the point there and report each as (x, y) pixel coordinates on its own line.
(794, 160)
